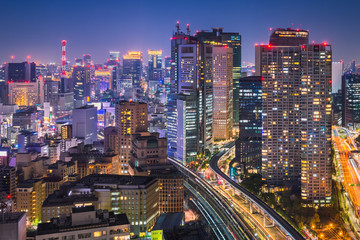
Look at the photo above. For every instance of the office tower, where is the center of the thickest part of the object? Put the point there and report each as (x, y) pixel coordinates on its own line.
(167, 65)
(87, 60)
(20, 72)
(114, 56)
(30, 196)
(84, 123)
(154, 68)
(26, 93)
(104, 77)
(132, 67)
(336, 75)
(233, 40)
(8, 180)
(190, 99)
(82, 86)
(147, 149)
(51, 92)
(99, 224)
(337, 106)
(66, 131)
(222, 93)
(111, 139)
(114, 64)
(79, 62)
(130, 117)
(136, 196)
(13, 226)
(296, 89)
(248, 145)
(26, 119)
(350, 98)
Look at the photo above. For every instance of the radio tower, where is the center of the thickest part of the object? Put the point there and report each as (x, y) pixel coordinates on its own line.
(63, 57)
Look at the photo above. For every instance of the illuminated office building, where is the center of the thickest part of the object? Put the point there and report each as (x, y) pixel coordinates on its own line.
(154, 68)
(132, 67)
(233, 40)
(30, 196)
(351, 100)
(114, 56)
(222, 93)
(296, 145)
(130, 117)
(82, 87)
(248, 145)
(104, 79)
(26, 93)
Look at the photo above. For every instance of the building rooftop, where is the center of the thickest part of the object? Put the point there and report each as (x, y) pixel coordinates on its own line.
(169, 221)
(65, 224)
(13, 217)
(86, 107)
(58, 199)
(116, 179)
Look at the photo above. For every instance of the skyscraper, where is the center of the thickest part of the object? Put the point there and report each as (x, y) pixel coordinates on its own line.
(132, 67)
(154, 68)
(81, 80)
(20, 72)
(222, 92)
(248, 145)
(296, 144)
(130, 117)
(84, 123)
(233, 40)
(350, 100)
(87, 60)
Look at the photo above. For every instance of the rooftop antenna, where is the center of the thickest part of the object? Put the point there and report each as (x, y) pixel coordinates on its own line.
(177, 27)
(187, 29)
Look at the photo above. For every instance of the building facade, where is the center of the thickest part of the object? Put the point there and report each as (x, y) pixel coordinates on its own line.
(248, 145)
(296, 91)
(84, 123)
(130, 117)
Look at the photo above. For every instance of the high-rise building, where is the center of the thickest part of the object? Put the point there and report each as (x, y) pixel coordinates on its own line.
(114, 55)
(26, 93)
(130, 117)
(87, 60)
(20, 72)
(296, 87)
(8, 180)
(190, 79)
(336, 75)
(222, 93)
(154, 68)
(248, 145)
(81, 80)
(132, 67)
(350, 100)
(84, 123)
(233, 40)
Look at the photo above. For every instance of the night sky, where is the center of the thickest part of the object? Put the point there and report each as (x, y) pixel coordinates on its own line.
(36, 28)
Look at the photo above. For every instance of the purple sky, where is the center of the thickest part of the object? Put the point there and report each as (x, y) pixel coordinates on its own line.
(36, 28)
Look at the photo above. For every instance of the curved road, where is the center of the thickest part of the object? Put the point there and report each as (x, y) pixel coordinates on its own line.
(282, 223)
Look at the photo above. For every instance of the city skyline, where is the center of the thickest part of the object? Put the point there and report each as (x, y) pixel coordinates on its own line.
(139, 30)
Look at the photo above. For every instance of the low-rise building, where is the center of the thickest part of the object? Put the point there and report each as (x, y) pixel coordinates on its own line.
(86, 223)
